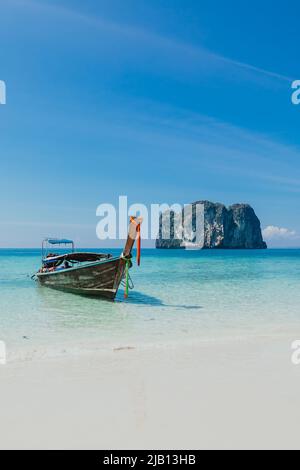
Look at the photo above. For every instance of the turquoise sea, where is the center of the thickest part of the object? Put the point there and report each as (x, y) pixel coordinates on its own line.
(179, 296)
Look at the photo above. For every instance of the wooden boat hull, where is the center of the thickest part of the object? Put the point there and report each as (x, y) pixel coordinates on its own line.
(100, 279)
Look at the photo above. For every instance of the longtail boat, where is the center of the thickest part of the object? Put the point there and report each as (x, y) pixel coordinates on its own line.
(91, 274)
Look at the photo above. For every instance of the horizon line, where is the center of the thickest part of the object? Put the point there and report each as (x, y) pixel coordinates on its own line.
(162, 249)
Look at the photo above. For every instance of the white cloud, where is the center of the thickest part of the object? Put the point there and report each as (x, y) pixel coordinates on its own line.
(279, 233)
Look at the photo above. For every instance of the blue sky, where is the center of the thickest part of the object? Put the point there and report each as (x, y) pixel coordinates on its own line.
(161, 101)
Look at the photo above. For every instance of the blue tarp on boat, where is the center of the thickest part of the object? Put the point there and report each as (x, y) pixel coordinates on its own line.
(59, 241)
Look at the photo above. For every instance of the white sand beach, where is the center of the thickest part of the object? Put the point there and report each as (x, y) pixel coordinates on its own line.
(228, 394)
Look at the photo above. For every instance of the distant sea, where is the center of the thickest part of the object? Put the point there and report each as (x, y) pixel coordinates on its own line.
(179, 296)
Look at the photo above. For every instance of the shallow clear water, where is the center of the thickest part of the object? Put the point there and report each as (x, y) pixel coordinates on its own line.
(179, 296)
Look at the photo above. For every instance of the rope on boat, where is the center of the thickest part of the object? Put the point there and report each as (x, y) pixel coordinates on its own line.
(126, 279)
(130, 281)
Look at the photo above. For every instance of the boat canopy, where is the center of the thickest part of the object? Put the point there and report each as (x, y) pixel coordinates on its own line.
(59, 241)
(76, 258)
(50, 242)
